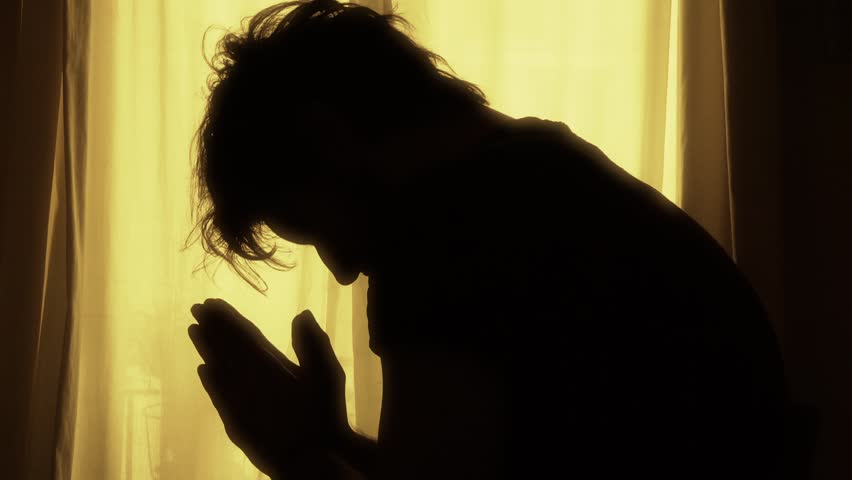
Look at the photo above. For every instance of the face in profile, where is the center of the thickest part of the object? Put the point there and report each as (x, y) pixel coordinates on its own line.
(332, 218)
(331, 210)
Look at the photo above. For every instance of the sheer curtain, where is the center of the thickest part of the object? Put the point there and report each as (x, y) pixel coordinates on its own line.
(641, 79)
(140, 409)
(131, 403)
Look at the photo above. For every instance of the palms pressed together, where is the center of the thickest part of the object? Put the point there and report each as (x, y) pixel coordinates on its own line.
(287, 418)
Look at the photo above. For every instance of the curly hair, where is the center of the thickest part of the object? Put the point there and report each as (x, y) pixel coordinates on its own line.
(265, 77)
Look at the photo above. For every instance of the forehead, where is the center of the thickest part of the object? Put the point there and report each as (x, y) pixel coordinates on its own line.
(299, 207)
(292, 234)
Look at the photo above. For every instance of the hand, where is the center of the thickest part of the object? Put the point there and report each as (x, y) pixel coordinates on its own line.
(287, 418)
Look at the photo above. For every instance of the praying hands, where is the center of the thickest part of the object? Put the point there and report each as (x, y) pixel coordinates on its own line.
(289, 419)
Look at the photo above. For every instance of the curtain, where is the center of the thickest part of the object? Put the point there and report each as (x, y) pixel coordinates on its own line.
(140, 412)
(97, 348)
(35, 248)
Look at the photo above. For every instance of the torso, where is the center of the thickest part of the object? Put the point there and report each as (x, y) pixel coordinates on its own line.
(611, 308)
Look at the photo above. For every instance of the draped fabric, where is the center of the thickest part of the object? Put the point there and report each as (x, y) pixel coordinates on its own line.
(40, 138)
(104, 98)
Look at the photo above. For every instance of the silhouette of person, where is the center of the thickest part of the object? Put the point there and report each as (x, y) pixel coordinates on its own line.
(538, 312)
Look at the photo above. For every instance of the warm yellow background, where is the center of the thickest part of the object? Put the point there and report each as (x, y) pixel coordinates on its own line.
(604, 67)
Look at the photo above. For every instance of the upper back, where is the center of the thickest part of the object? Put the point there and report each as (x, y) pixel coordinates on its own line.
(616, 319)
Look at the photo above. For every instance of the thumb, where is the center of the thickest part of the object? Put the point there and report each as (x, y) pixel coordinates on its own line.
(311, 343)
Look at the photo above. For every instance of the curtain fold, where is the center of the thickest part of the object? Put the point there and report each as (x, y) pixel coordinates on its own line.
(751, 102)
(31, 225)
(102, 111)
(75, 114)
(702, 132)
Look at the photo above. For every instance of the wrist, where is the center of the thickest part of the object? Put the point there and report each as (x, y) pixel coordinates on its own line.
(358, 451)
(344, 443)
(315, 464)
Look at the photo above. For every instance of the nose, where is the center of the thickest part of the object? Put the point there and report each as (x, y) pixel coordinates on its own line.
(343, 273)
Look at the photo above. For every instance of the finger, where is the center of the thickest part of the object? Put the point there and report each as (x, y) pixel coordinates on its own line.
(311, 344)
(216, 352)
(214, 312)
(227, 351)
(225, 406)
(219, 315)
(212, 385)
(248, 360)
(252, 333)
(228, 315)
(216, 346)
(226, 312)
(206, 312)
(224, 335)
(230, 333)
(241, 390)
(244, 401)
(200, 344)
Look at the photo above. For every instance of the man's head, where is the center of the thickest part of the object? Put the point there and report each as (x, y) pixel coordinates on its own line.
(299, 103)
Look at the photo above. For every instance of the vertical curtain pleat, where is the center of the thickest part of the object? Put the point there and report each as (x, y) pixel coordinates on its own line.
(50, 347)
(29, 245)
(75, 95)
(702, 133)
(655, 84)
(751, 102)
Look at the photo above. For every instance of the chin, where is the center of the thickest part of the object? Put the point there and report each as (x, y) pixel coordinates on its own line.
(347, 278)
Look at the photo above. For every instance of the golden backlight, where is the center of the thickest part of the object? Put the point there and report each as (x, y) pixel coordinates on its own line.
(604, 67)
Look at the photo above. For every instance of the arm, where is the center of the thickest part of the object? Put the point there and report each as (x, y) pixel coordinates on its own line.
(360, 453)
